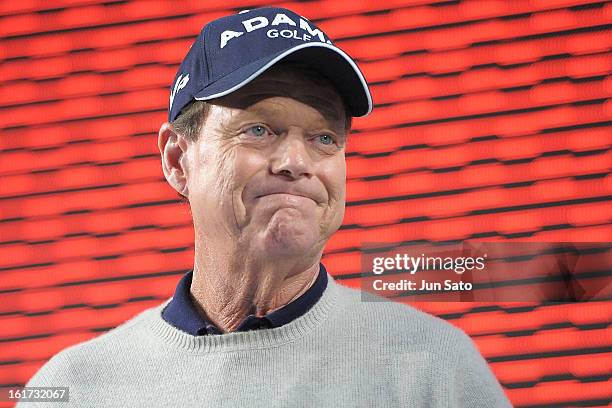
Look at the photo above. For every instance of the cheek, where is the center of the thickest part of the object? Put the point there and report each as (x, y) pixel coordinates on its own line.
(334, 213)
(234, 168)
(224, 174)
(336, 182)
(340, 204)
(243, 163)
(213, 174)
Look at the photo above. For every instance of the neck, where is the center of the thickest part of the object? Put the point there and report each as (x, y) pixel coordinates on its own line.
(228, 288)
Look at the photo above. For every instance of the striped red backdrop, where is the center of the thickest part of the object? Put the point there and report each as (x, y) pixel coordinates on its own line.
(492, 120)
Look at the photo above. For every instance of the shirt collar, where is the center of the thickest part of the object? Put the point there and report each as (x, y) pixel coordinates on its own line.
(182, 313)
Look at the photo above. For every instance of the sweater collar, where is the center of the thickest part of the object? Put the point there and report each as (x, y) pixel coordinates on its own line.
(305, 326)
(181, 312)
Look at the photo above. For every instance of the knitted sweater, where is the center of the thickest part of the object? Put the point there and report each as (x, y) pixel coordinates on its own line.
(344, 352)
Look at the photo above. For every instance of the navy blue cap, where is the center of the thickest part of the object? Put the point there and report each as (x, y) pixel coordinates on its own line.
(232, 51)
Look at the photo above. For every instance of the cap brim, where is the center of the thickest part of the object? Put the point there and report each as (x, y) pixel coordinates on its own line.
(329, 60)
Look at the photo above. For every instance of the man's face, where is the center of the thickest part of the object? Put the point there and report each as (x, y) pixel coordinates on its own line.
(268, 169)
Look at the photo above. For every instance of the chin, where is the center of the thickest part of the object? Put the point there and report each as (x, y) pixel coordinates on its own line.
(275, 251)
(289, 239)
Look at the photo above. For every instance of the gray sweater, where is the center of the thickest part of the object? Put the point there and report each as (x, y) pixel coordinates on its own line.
(344, 352)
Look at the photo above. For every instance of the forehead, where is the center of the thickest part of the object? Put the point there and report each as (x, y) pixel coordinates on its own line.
(294, 81)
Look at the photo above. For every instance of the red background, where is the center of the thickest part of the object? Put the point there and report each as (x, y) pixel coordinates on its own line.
(492, 120)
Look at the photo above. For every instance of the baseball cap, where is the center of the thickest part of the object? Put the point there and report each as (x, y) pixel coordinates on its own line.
(232, 51)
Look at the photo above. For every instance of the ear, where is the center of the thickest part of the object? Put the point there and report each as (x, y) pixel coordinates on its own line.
(174, 159)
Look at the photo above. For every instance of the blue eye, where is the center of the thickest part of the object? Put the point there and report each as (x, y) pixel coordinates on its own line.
(326, 139)
(258, 130)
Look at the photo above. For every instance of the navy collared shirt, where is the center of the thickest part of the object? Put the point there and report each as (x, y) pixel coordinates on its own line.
(181, 312)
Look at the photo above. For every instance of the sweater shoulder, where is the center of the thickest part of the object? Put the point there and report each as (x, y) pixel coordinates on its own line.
(71, 365)
(401, 321)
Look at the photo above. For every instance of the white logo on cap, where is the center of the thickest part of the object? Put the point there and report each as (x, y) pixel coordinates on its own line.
(258, 22)
(180, 83)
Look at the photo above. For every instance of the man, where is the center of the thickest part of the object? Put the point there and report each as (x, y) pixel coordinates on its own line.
(259, 116)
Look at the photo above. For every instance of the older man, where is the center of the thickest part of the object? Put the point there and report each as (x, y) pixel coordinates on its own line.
(259, 115)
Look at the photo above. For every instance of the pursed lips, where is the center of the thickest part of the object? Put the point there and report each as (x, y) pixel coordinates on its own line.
(286, 193)
(295, 192)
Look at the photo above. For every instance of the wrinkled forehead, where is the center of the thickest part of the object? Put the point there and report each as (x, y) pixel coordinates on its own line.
(294, 81)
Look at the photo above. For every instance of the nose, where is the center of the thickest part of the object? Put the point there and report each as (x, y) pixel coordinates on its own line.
(291, 158)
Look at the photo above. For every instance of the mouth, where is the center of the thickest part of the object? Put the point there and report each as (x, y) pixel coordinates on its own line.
(294, 198)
